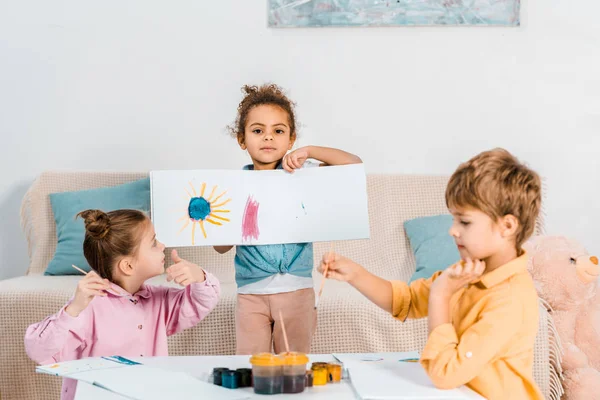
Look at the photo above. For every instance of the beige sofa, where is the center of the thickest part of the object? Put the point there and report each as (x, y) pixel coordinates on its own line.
(347, 322)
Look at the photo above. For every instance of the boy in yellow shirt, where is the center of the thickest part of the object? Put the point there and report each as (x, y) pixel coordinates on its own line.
(483, 311)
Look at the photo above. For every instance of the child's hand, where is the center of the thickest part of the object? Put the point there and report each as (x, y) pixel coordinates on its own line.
(90, 286)
(456, 277)
(184, 272)
(295, 159)
(339, 268)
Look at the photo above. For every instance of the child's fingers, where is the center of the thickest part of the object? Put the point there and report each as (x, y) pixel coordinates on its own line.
(468, 269)
(98, 280)
(97, 283)
(181, 278)
(90, 277)
(95, 292)
(468, 262)
(289, 161)
(321, 268)
(176, 269)
(175, 257)
(335, 275)
(296, 162)
(185, 282)
(474, 269)
(170, 276)
(330, 257)
(464, 268)
(455, 270)
(97, 286)
(327, 265)
(456, 267)
(177, 274)
(332, 265)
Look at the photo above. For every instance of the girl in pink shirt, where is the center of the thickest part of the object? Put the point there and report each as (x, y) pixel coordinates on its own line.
(113, 312)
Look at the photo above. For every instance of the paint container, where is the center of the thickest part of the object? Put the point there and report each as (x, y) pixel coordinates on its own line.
(309, 378)
(319, 374)
(334, 372)
(294, 372)
(319, 363)
(231, 379)
(217, 376)
(267, 373)
(245, 377)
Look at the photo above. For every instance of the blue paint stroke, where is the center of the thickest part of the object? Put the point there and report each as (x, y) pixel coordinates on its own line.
(198, 209)
(316, 13)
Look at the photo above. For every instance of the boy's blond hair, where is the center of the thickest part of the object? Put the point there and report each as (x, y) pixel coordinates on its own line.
(497, 184)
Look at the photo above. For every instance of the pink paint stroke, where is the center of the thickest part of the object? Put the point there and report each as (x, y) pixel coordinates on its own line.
(250, 220)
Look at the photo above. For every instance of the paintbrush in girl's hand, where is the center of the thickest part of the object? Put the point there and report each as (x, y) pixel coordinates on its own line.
(324, 279)
(123, 292)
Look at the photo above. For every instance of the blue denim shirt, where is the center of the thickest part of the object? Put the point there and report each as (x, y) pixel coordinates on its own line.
(254, 263)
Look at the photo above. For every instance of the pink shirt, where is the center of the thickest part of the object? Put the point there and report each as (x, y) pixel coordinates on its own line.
(129, 325)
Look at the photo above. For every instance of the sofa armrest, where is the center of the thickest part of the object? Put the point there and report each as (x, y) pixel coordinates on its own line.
(547, 369)
(24, 301)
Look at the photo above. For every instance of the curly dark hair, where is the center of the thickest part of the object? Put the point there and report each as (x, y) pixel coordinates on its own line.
(258, 95)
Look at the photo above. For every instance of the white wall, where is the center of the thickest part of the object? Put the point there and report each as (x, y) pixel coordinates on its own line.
(139, 85)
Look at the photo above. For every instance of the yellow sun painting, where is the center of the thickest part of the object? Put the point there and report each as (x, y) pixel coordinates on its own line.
(203, 209)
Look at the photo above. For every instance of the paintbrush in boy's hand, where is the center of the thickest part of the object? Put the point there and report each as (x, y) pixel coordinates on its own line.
(324, 278)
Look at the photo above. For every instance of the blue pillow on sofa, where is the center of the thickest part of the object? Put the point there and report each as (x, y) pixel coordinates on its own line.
(432, 245)
(70, 231)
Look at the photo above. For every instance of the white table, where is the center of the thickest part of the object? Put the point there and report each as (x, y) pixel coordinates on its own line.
(201, 367)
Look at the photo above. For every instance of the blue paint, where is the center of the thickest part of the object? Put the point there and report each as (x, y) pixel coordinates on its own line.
(198, 208)
(294, 13)
(121, 360)
(304, 208)
(372, 359)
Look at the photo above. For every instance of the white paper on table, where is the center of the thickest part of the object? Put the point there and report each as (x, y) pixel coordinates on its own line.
(398, 380)
(140, 382)
(71, 368)
(375, 357)
(310, 205)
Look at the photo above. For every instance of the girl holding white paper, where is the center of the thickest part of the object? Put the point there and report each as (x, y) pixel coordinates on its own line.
(275, 278)
(113, 312)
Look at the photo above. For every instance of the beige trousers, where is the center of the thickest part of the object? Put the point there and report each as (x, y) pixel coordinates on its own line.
(258, 326)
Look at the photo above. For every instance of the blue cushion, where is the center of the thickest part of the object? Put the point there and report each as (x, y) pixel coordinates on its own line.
(70, 230)
(431, 243)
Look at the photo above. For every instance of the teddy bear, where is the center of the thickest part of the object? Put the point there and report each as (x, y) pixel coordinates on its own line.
(567, 279)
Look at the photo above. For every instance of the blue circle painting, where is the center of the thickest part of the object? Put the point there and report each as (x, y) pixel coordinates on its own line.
(198, 208)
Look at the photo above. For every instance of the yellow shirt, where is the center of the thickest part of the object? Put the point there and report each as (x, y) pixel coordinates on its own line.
(489, 344)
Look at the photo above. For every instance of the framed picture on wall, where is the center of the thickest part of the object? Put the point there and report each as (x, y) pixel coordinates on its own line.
(322, 13)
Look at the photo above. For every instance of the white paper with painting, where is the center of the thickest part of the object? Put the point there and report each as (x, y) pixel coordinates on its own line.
(240, 207)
